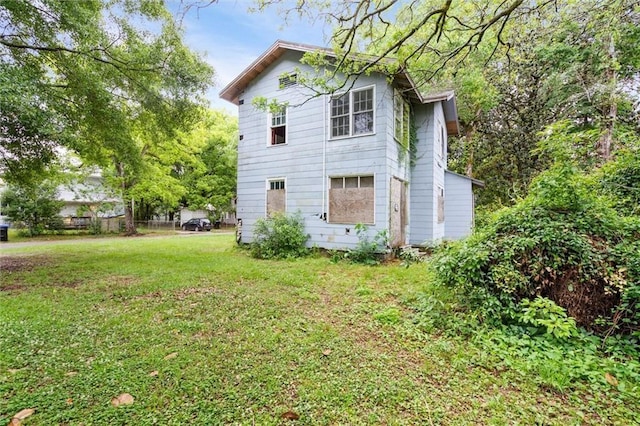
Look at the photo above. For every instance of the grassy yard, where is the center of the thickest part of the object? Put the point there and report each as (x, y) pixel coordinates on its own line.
(199, 333)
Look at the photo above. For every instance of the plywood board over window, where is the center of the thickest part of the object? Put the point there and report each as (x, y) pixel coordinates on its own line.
(398, 214)
(276, 196)
(351, 200)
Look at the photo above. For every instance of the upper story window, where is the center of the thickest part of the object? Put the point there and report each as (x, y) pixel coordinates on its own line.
(442, 141)
(287, 80)
(352, 113)
(278, 127)
(401, 119)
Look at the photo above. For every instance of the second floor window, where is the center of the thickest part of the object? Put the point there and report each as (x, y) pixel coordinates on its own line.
(352, 113)
(278, 127)
(401, 117)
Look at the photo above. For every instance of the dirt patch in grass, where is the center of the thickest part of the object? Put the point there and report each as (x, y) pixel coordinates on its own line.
(11, 264)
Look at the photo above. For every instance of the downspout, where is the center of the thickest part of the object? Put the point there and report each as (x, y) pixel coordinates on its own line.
(323, 214)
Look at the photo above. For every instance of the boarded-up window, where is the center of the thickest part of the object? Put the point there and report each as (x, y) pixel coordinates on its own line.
(351, 199)
(276, 197)
(440, 204)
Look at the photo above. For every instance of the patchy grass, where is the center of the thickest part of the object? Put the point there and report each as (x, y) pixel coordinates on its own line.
(200, 333)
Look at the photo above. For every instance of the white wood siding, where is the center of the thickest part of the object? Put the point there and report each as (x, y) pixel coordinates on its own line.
(300, 160)
(421, 205)
(458, 206)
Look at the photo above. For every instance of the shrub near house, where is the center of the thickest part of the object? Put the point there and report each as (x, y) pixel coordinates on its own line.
(563, 243)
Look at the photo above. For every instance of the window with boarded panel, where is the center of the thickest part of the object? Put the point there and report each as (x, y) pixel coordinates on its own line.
(276, 197)
(351, 200)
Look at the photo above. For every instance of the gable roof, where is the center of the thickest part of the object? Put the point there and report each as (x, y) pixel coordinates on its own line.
(232, 91)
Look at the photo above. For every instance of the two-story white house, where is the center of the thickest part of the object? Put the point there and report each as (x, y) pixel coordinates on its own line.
(345, 158)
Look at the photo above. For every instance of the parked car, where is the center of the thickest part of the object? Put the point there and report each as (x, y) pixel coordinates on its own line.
(197, 224)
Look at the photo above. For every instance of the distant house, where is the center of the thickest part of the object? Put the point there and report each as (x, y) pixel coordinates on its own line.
(86, 199)
(345, 159)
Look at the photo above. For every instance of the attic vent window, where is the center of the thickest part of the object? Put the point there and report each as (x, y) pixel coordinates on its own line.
(288, 80)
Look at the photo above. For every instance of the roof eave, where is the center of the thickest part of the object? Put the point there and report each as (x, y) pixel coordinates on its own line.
(232, 90)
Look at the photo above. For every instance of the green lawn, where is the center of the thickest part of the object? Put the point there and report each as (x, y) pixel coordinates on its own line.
(200, 333)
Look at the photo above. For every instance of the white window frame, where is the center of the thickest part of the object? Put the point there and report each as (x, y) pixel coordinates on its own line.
(271, 126)
(404, 118)
(442, 140)
(350, 114)
(268, 183)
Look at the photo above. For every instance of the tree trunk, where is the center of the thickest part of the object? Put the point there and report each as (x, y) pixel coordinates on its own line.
(469, 148)
(129, 222)
(610, 108)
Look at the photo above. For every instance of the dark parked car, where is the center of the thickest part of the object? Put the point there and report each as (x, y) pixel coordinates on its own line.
(197, 224)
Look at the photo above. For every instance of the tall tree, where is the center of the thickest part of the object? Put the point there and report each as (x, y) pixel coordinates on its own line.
(212, 181)
(112, 79)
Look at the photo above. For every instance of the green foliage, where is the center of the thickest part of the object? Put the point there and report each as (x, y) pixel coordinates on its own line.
(368, 251)
(561, 242)
(389, 316)
(34, 207)
(101, 317)
(280, 236)
(263, 104)
(620, 179)
(410, 255)
(548, 317)
(112, 91)
(210, 178)
(569, 359)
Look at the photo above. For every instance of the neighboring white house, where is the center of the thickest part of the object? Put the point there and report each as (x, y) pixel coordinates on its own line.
(83, 200)
(344, 159)
(88, 198)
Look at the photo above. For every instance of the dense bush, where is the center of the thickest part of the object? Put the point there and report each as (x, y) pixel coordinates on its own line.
(564, 243)
(279, 236)
(33, 207)
(620, 180)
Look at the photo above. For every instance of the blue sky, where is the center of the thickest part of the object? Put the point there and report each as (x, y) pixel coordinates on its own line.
(231, 38)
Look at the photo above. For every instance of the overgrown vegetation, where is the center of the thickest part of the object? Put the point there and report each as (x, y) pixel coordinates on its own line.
(368, 251)
(200, 333)
(279, 236)
(33, 208)
(563, 242)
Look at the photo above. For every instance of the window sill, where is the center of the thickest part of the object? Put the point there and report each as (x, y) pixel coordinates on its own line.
(277, 144)
(341, 138)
